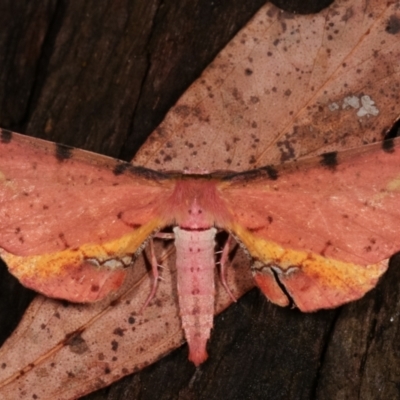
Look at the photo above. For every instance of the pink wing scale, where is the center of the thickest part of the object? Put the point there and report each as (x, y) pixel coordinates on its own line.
(55, 201)
(348, 212)
(327, 232)
(95, 205)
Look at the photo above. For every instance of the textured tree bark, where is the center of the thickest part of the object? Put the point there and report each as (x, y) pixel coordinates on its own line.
(101, 76)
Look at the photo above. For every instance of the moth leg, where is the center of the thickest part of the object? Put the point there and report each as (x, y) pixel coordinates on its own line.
(222, 270)
(164, 235)
(155, 274)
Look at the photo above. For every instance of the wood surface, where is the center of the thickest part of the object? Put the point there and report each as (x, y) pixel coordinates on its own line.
(101, 76)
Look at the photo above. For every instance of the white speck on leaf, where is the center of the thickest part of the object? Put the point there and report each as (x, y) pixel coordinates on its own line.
(368, 107)
(351, 101)
(333, 106)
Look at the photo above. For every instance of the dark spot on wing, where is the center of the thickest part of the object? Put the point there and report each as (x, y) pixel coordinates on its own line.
(388, 146)
(94, 288)
(329, 160)
(248, 71)
(125, 167)
(324, 250)
(63, 240)
(63, 152)
(256, 229)
(121, 168)
(393, 25)
(5, 136)
(241, 176)
(271, 171)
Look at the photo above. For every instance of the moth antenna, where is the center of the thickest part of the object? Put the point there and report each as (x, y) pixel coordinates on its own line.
(155, 274)
(222, 271)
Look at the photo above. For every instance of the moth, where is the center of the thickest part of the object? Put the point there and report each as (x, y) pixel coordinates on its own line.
(320, 231)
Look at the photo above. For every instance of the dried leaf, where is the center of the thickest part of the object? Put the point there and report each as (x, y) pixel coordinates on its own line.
(287, 87)
(63, 350)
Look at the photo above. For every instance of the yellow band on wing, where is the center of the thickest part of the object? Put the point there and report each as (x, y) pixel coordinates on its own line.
(53, 264)
(312, 280)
